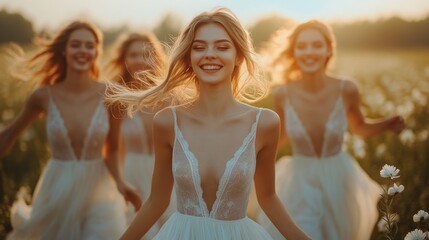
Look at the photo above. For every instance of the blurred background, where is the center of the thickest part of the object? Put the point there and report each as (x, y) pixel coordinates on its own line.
(382, 45)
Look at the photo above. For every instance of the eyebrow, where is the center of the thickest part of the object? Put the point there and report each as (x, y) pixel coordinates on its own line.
(217, 41)
(77, 40)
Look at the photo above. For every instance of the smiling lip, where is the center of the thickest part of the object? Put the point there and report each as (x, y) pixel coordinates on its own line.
(82, 60)
(210, 67)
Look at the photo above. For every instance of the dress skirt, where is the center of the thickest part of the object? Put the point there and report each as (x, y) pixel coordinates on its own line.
(330, 198)
(186, 227)
(72, 200)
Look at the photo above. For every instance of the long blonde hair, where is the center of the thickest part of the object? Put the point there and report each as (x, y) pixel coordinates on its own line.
(280, 49)
(49, 66)
(116, 69)
(180, 84)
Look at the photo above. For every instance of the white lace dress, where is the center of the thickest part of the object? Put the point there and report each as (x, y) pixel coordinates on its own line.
(330, 197)
(227, 219)
(76, 197)
(138, 167)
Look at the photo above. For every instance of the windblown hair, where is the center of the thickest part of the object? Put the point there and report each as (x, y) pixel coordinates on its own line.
(116, 68)
(48, 66)
(280, 49)
(180, 84)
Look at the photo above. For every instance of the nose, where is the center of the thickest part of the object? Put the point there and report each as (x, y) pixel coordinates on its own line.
(141, 59)
(308, 50)
(210, 53)
(84, 49)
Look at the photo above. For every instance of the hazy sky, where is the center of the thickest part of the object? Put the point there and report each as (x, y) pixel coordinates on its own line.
(147, 13)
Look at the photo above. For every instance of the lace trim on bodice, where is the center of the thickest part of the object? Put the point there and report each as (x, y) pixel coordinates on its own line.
(59, 139)
(135, 137)
(333, 136)
(224, 200)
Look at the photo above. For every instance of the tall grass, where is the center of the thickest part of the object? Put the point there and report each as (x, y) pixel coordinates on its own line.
(395, 81)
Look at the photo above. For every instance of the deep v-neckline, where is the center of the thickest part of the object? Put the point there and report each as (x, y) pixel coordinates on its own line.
(226, 171)
(66, 131)
(305, 131)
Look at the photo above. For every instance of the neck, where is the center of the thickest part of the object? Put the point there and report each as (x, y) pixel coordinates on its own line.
(313, 82)
(215, 100)
(77, 81)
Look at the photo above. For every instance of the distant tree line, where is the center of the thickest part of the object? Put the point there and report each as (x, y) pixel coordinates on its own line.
(387, 33)
(15, 27)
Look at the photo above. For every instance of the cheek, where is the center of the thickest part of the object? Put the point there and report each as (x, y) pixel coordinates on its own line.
(128, 61)
(297, 53)
(94, 53)
(322, 51)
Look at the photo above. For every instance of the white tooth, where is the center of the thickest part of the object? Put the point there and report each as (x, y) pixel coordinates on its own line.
(210, 67)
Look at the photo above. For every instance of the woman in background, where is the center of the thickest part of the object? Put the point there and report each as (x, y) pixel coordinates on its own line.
(136, 56)
(75, 197)
(324, 189)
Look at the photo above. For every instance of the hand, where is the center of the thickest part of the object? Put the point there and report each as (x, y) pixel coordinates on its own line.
(397, 124)
(130, 194)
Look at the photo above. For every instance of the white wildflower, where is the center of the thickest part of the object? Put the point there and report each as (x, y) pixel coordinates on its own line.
(407, 137)
(382, 225)
(389, 171)
(395, 189)
(420, 216)
(388, 108)
(7, 114)
(28, 134)
(381, 149)
(421, 136)
(359, 147)
(417, 234)
(418, 97)
(426, 71)
(406, 108)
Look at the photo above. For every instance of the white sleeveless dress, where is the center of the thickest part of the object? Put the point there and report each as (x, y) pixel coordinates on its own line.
(75, 198)
(138, 167)
(227, 220)
(330, 197)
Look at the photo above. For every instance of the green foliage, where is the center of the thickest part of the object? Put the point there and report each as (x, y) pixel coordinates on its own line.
(264, 28)
(17, 28)
(389, 33)
(168, 29)
(394, 81)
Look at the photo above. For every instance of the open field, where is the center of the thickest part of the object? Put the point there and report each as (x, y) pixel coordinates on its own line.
(391, 81)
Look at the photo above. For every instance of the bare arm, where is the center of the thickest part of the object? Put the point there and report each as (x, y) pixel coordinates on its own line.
(268, 133)
(147, 119)
(113, 155)
(162, 180)
(367, 127)
(34, 106)
(279, 100)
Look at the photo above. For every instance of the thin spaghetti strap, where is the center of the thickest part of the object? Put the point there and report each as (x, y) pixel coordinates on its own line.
(340, 95)
(49, 92)
(173, 110)
(341, 85)
(258, 115)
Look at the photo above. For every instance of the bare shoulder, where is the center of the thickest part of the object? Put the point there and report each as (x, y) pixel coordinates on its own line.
(349, 86)
(41, 93)
(268, 120)
(101, 87)
(280, 92)
(350, 91)
(164, 119)
(39, 97)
